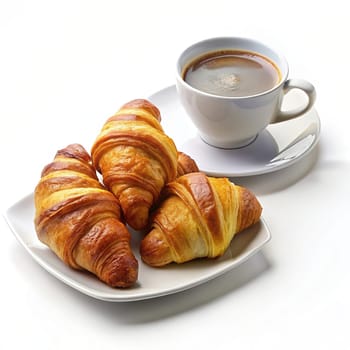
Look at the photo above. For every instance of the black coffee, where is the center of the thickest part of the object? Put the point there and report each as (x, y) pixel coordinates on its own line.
(232, 73)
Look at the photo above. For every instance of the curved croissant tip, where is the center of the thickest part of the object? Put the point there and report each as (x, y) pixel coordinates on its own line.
(250, 210)
(185, 164)
(75, 150)
(137, 217)
(122, 273)
(154, 250)
(144, 104)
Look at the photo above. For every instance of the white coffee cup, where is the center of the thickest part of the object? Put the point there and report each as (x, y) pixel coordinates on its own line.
(232, 122)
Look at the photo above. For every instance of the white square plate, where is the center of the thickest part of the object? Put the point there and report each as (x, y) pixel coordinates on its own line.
(153, 282)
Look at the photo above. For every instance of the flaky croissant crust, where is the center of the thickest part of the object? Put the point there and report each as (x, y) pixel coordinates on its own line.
(136, 159)
(185, 164)
(198, 218)
(80, 220)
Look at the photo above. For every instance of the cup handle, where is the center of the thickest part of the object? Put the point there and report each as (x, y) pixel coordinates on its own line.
(307, 88)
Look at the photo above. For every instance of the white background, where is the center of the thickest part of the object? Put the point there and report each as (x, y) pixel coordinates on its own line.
(65, 66)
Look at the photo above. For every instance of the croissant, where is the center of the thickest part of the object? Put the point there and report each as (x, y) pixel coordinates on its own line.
(136, 159)
(185, 164)
(197, 218)
(80, 220)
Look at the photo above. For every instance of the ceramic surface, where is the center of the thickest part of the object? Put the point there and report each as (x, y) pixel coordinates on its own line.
(278, 146)
(153, 282)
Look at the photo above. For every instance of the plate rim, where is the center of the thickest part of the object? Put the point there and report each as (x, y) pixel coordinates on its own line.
(119, 297)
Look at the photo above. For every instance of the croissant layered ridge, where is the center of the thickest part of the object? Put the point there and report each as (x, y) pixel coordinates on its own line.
(81, 221)
(198, 218)
(136, 159)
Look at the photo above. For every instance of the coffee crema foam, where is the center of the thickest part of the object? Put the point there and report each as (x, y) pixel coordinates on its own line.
(232, 73)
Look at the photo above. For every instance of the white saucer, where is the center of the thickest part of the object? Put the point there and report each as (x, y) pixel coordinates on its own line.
(277, 147)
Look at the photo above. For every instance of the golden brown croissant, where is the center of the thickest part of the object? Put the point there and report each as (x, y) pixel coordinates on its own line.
(185, 164)
(80, 220)
(136, 159)
(198, 218)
